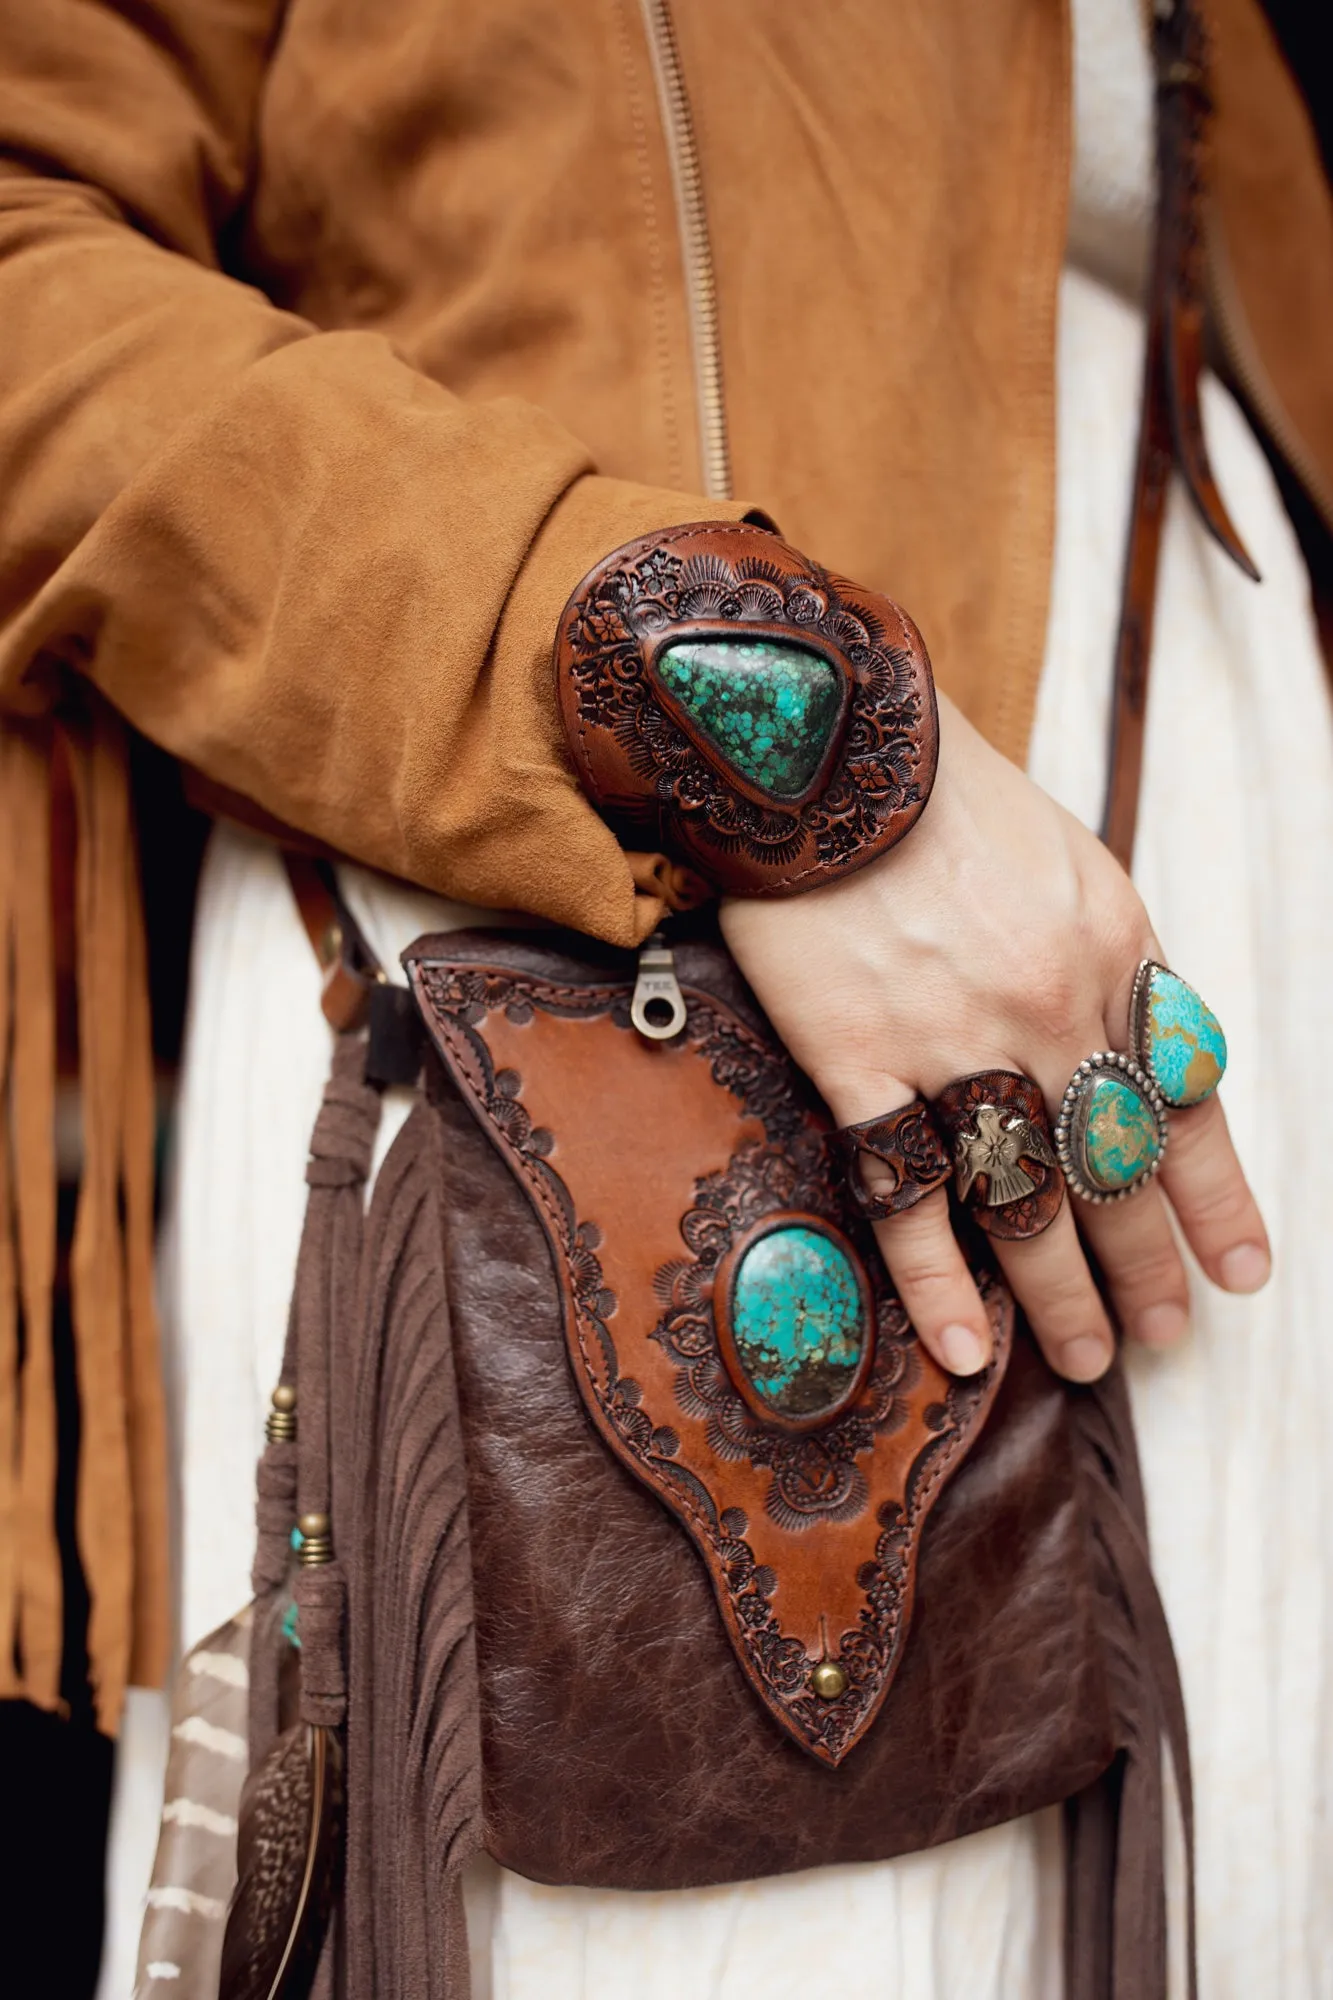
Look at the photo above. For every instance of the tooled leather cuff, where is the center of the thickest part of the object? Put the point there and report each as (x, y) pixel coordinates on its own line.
(771, 725)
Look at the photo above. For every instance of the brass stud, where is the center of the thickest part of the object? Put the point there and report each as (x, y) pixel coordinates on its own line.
(829, 1680)
(313, 1526)
(284, 1397)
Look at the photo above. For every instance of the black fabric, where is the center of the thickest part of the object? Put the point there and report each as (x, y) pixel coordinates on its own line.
(57, 1772)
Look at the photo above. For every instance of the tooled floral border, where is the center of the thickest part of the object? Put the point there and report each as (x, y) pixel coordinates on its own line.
(739, 1060)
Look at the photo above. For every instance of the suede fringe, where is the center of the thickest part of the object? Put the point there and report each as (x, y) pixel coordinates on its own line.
(121, 1509)
(1115, 1865)
(386, 1628)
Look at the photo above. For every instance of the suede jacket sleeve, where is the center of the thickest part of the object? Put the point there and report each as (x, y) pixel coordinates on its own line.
(284, 554)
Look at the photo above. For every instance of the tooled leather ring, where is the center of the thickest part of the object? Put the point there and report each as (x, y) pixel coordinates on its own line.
(766, 723)
(1004, 1157)
(905, 1141)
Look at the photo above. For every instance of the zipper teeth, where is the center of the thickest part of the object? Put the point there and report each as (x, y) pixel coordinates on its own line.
(696, 250)
(1239, 346)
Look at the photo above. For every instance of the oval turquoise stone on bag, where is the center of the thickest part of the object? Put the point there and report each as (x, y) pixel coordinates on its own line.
(769, 708)
(796, 1321)
(1120, 1136)
(1185, 1050)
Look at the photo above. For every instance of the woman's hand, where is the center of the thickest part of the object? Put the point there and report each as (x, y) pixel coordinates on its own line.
(999, 935)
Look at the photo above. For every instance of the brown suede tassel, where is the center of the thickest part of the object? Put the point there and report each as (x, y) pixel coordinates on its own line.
(386, 1662)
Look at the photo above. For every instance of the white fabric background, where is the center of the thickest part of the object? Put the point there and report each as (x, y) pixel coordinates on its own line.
(1235, 861)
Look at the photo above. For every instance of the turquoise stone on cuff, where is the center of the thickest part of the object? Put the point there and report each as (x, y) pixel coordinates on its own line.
(797, 1322)
(1182, 1047)
(1120, 1136)
(768, 708)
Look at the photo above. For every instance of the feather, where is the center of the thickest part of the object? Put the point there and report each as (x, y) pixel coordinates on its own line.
(289, 1854)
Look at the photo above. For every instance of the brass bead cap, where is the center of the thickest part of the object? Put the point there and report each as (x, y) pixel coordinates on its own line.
(313, 1526)
(280, 1424)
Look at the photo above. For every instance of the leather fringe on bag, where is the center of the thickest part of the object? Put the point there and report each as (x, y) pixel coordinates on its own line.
(378, 1449)
(121, 1513)
(1115, 1858)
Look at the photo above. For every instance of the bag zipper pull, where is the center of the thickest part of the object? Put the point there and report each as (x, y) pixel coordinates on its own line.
(658, 1007)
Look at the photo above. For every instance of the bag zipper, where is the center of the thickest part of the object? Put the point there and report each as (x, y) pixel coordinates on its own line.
(696, 249)
(1243, 358)
(657, 1009)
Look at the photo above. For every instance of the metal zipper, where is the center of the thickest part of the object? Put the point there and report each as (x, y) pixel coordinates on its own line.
(1242, 353)
(658, 1007)
(696, 250)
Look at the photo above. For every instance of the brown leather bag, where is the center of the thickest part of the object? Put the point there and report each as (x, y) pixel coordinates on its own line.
(594, 1607)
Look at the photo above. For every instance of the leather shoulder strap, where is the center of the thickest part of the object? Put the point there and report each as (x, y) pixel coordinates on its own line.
(1170, 427)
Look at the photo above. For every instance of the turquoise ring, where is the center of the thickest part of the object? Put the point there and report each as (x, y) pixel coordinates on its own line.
(1111, 1133)
(1174, 1036)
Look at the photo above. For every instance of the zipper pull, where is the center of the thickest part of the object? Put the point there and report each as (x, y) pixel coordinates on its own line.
(658, 1007)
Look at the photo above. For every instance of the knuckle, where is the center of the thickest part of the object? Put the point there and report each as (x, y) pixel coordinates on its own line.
(1138, 1253)
(1063, 1304)
(1206, 1182)
(1069, 1299)
(921, 1253)
(1125, 931)
(1082, 1321)
(1193, 1131)
(1161, 1283)
(928, 1274)
(1057, 997)
(1155, 1276)
(1218, 1203)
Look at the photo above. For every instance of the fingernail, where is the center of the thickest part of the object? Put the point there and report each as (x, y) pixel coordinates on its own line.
(964, 1353)
(1245, 1268)
(1084, 1359)
(1160, 1325)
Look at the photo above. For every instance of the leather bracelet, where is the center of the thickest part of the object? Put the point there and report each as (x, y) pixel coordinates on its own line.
(769, 724)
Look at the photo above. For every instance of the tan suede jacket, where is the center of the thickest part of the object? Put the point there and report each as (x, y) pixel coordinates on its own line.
(340, 339)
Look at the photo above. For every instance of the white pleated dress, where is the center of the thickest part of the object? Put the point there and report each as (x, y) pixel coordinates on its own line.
(1235, 863)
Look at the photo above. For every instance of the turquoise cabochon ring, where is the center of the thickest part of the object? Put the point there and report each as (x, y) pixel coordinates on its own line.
(1174, 1036)
(1111, 1133)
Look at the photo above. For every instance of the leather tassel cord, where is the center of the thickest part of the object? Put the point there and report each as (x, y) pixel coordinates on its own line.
(1171, 425)
(121, 1512)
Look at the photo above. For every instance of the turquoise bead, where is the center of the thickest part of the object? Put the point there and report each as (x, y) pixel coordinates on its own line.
(797, 1321)
(1121, 1139)
(1184, 1049)
(769, 708)
(290, 1628)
